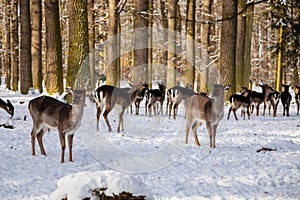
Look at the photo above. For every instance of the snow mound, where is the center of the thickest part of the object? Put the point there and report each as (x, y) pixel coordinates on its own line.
(77, 186)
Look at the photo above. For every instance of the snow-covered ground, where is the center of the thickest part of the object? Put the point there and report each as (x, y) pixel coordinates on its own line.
(150, 158)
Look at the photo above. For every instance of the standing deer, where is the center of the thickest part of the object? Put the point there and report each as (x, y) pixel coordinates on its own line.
(109, 96)
(47, 112)
(139, 98)
(175, 95)
(286, 98)
(211, 110)
(297, 97)
(155, 96)
(259, 97)
(272, 101)
(237, 101)
(8, 107)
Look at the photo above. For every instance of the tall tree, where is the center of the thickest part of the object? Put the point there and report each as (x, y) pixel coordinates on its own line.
(150, 43)
(240, 45)
(25, 47)
(205, 43)
(36, 47)
(14, 46)
(171, 63)
(91, 22)
(53, 70)
(141, 40)
(228, 43)
(189, 75)
(78, 43)
(112, 45)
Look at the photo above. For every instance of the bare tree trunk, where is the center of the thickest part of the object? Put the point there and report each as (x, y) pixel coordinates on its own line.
(141, 41)
(247, 50)
(112, 44)
(78, 59)
(36, 48)
(240, 46)
(91, 42)
(228, 44)
(54, 72)
(189, 76)
(150, 43)
(14, 46)
(7, 57)
(171, 63)
(25, 47)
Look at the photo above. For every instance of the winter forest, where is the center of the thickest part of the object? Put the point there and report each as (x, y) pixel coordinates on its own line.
(183, 99)
(44, 43)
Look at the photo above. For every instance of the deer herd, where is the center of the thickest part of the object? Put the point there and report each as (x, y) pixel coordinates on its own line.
(50, 113)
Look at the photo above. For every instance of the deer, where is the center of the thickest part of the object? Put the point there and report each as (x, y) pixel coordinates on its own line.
(176, 95)
(240, 100)
(8, 107)
(155, 96)
(297, 97)
(49, 113)
(109, 96)
(199, 108)
(286, 98)
(259, 97)
(139, 98)
(272, 101)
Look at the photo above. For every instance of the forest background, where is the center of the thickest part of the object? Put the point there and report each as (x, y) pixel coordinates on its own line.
(44, 43)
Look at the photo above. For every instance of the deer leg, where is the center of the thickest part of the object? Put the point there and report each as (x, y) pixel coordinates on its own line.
(187, 130)
(120, 121)
(98, 117)
(70, 144)
(264, 112)
(248, 112)
(228, 116)
(288, 109)
(170, 108)
(63, 146)
(40, 140)
(175, 110)
(167, 106)
(33, 133)
(210, 134)
(194, 129)
(213, 135)
(257, 110)
(105, 114)
(137, 107)
(154, 109)
(234, 113)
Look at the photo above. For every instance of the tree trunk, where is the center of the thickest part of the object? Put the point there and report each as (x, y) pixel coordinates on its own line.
(78, 59)
(54, 72)
(25, 47)
(141, 41)
(171, 63)
(278, 79)
(112, 45)
(150, 43)
(240, 46)
(15, 46)
(7, 57)
(189, 75)
(91, 42)
(36, 44)
(247, 50)
(228, 44)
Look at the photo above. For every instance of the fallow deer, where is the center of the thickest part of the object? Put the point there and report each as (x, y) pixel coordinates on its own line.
(297, 97)
(286, 98)
(8, 107)
(47, 113)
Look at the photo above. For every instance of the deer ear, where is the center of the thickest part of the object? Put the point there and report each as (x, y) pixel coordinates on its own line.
(8, 101)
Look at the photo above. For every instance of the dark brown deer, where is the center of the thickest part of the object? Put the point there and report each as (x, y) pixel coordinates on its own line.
(108, 96)
(47, 112)
(272, 101)
(155, 96)
(240, 100)
(286, 98)
(139, 98)
(259, 97)
(297, 98)
(209, 109)
(176, 95)
(8, 107)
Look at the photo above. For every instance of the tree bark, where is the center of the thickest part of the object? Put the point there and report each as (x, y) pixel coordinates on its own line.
(189, 75)
(228, 44)
(15, 46)
(171, 63)
(36, 44)
(91, 42)
(53, 69)
(141, 41)
(25, 47)
(78, 59)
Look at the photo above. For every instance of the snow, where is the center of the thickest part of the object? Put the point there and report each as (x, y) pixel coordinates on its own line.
(151, 158)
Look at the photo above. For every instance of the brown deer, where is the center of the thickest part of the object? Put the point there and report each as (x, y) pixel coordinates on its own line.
(286, 98)
(155, 96)
(240, 100)
(297, 97)
(259, 97)
(176, 95)
(47, 112)
(209, 109)
(8, 107)
(109, 96)
(272, 101)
